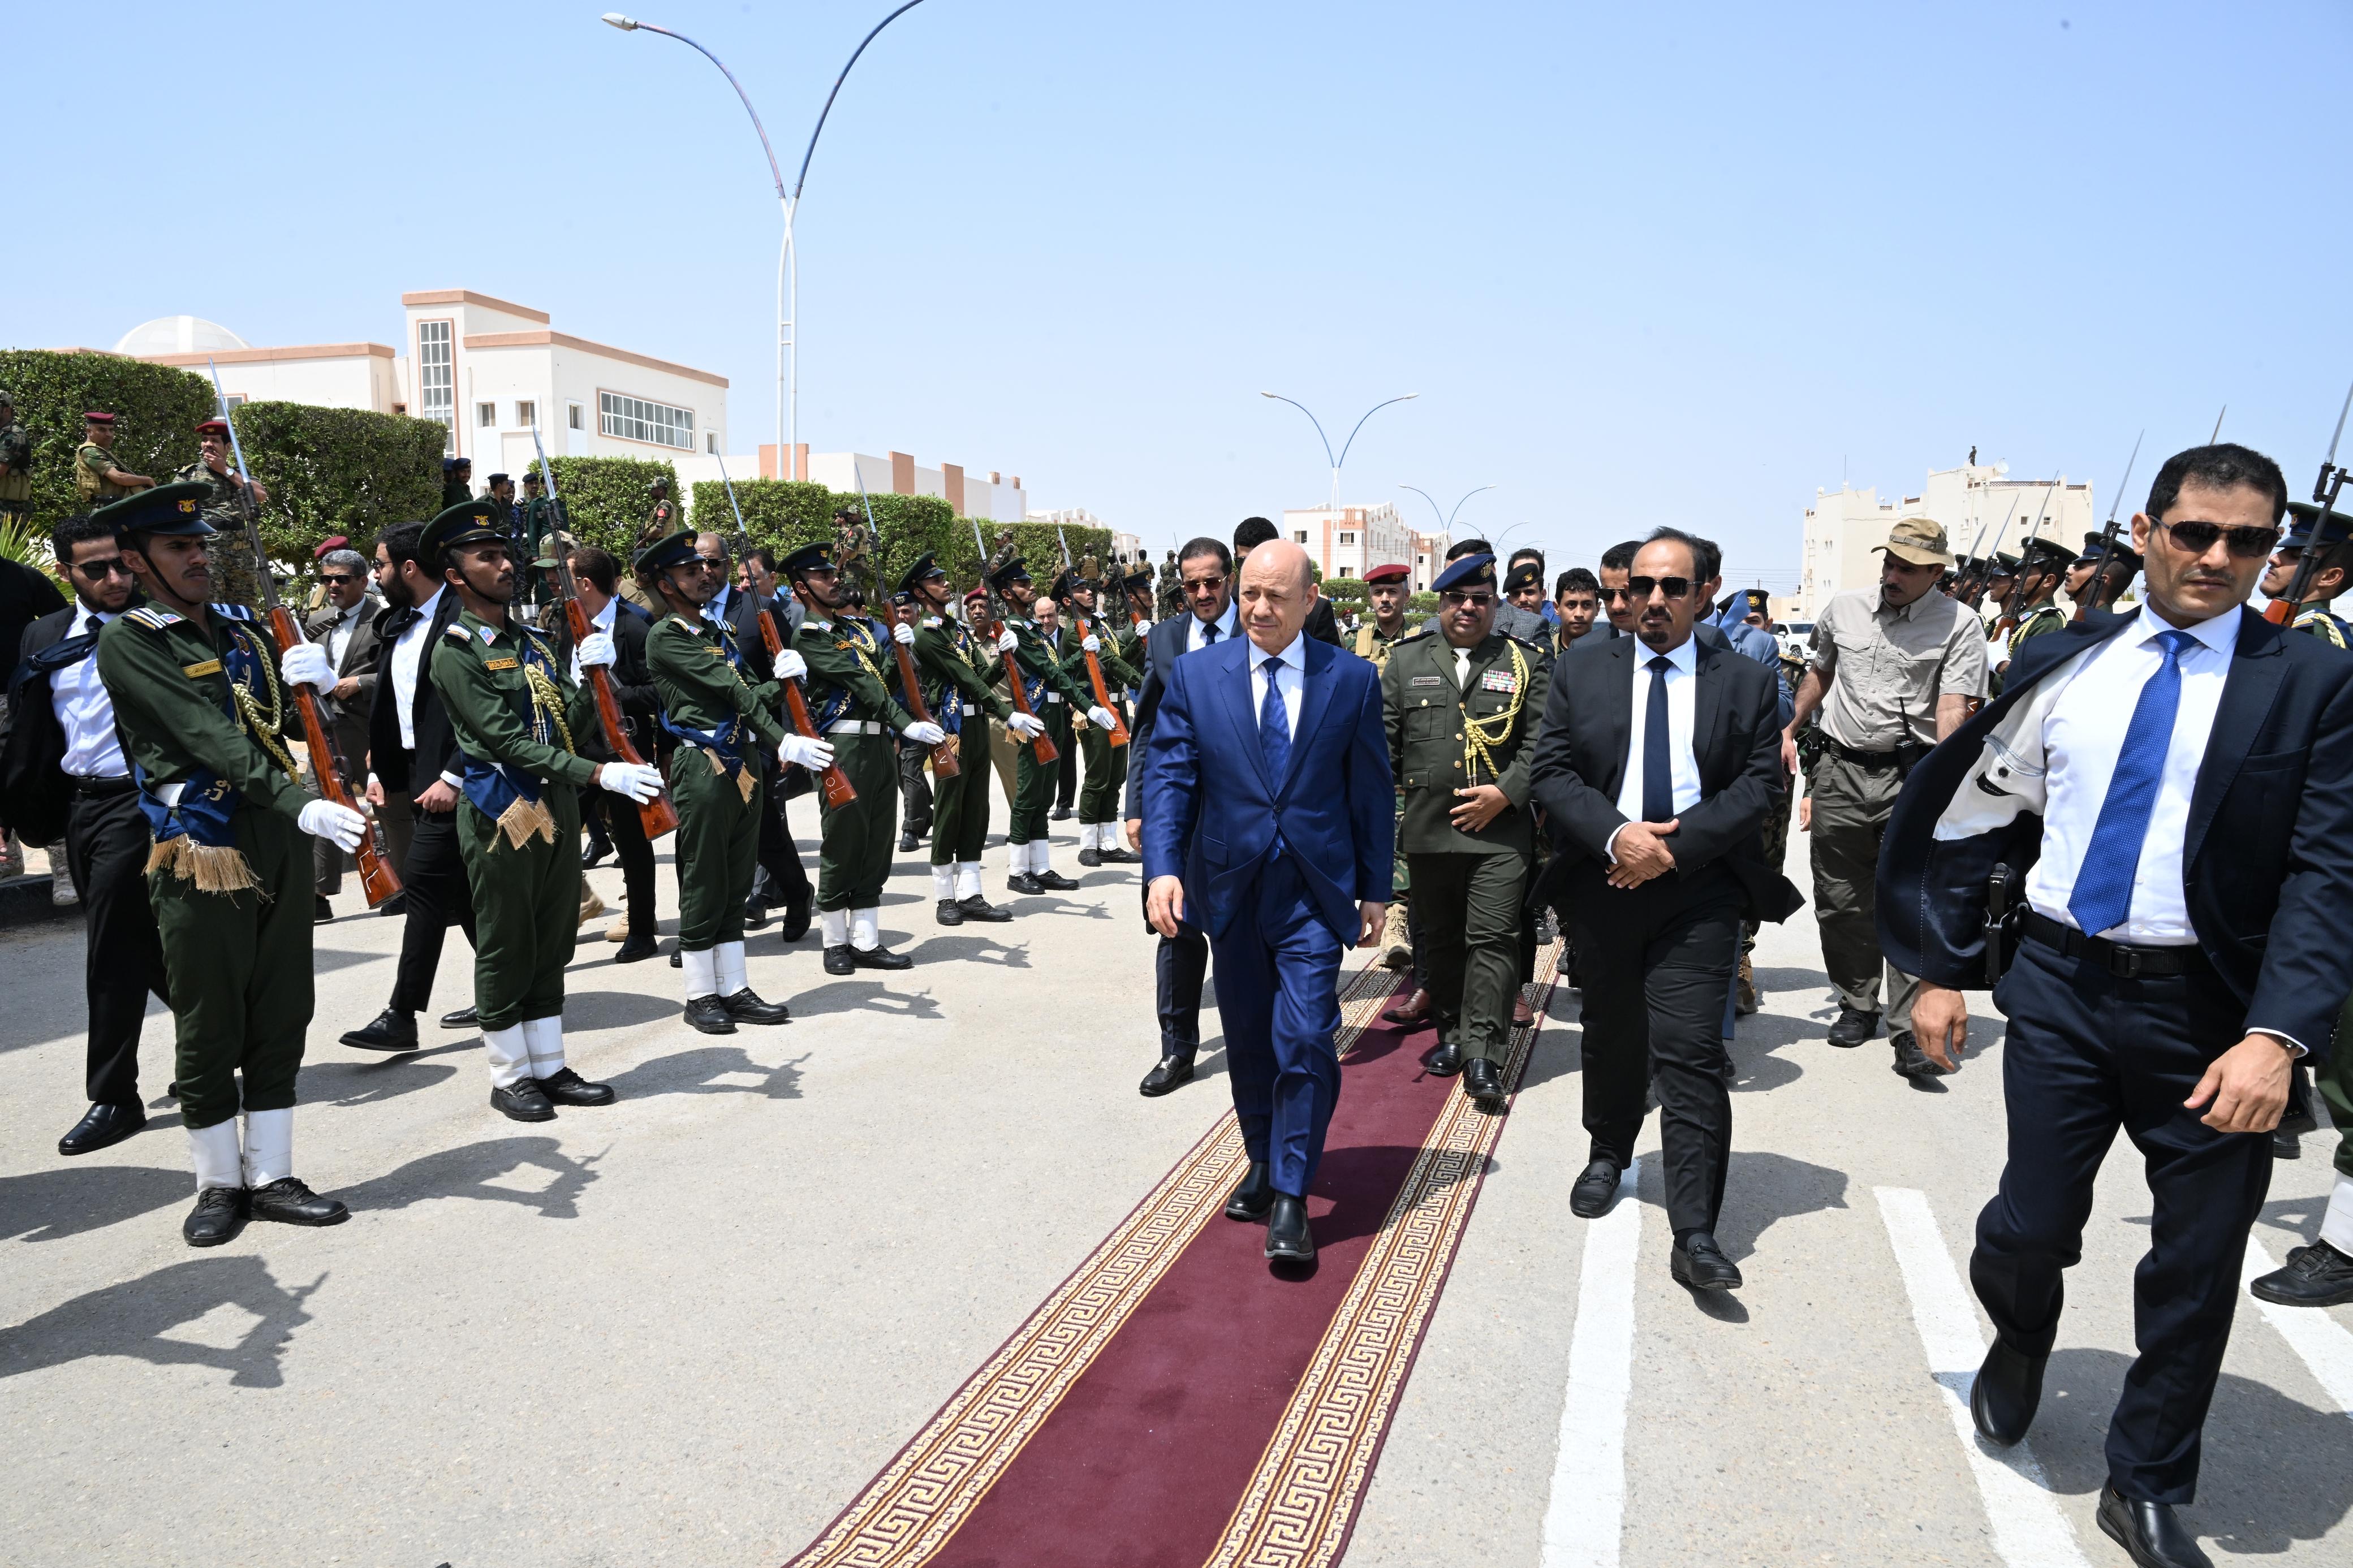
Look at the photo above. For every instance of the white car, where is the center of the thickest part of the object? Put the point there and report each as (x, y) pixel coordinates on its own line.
(1797, 637)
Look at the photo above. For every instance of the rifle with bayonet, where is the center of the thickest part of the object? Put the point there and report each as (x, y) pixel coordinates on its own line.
(377, 879)
(1042, 749)
(945, 761)
(2091, 599)
(2009, 622)
(2284, 610)
(657, 816)
(1094, 665)
(1970, 589)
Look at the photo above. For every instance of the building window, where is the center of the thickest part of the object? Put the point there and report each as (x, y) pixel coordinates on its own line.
(486, 414)
(711, 441)
(526, 414)
(635, 419)
(571, 416)
(437, 376)
(1298, 536)
(1348, 538)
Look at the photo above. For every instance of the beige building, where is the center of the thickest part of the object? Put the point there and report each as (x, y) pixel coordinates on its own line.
(338, 376)
(1843, 528)
(1349, 540)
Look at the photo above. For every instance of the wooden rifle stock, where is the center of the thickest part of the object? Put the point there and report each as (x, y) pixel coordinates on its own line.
(377, 879)
(657, 816)
(1041, 747)
(1103, 693)
(944, 762)
(835, 783)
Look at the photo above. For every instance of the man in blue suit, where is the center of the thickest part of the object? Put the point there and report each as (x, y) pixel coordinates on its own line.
(1285, 861)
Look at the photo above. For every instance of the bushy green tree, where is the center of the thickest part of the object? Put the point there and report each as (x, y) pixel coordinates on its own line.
(337, 470)
(157, 410)
(607, 499)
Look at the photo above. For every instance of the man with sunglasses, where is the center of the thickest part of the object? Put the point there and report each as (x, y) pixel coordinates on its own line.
(345, 628)
(1893, 670)
(2174, 790)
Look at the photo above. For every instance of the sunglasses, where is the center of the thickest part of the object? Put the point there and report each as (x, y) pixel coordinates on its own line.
(1673, 587)
(339, 576)
(112, 566)
(1204, 584)
(2197, 538)
(1475, 600)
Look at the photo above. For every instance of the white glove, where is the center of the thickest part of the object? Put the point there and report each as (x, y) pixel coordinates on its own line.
(1101, 718)
(306, 663)
(902, 633)
(1008, 641)
(638, 781)
(1142, 626)
(790, 666)
(596, 649)
(1025, 724)
(1090, 643)
(925, 734)
(338, 824)
(807, 751)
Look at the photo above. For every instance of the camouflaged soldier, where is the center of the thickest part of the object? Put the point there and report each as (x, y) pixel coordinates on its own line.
(96, 478)
(1387, 587)
(234, 579)
(15, 464)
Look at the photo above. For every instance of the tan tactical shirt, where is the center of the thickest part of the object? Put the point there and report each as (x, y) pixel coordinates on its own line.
(1887, 668)
(92, 468)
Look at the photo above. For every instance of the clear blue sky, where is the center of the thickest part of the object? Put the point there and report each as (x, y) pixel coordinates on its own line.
(1643, 264)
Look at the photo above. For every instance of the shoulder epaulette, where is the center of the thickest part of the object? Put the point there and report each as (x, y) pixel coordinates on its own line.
(454, 630)
(1529, 644)
(233, 612)
(1416, 636)
(152, 616)
(682, 622)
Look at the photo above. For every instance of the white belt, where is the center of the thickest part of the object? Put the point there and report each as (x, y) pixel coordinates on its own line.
(1053, 697)
(971, 709)
(853, 727)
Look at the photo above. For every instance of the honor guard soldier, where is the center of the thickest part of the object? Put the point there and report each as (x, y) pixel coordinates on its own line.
(1105, 764)
(201, 705)
(1464, 706)
(514, 709)
(2328, 577)
(953, 663)
(1052, 695)
(851, 705)
(722, 724)
(2041, 567)
(15, 464)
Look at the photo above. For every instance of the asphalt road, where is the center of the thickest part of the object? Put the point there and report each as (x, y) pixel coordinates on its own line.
(687, 1328)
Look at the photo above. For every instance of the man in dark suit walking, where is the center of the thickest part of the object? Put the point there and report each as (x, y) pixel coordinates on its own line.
(345, 626)
(1659, 761)
(2169, 794)
(596, 577)
(1270, 808)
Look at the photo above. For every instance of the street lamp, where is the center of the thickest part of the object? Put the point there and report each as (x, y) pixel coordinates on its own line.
(1334, 504)
(1445, 519)
(788, 274)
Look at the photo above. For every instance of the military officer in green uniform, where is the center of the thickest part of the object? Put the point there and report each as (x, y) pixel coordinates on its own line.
(1105, 765)
(15, 464)
(954, 664)
(721, 723)
(535, 529)
(515, 711)
(1052, 694)
(1463, 707)
(2040, 569)
(851, 705)
(96, 477)
(1386, 588)
(202, 704)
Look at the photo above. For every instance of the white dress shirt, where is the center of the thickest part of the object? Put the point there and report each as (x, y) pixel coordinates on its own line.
(602, 621)
(1287, 669)
(2081, 738)
(339, 635)
(407, 661)
(1683, 762)
(84, 710)
(1197, 635)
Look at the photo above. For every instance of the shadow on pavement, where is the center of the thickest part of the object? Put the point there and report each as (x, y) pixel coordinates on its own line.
(862, 995)
(971, 949)
(46, 1205)
(473, 1171)
(1759, 1188)
(374, 1081)
(132, 1318)
(697, 1071)
(585, 1010)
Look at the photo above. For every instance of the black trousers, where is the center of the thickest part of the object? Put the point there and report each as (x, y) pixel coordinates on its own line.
(915, 790)
(1180, 964)
(1066, 778)
(1657, 959)
(787, 879)
(434, 876)
(106, 851)
(2088, 1053)
(627, 835)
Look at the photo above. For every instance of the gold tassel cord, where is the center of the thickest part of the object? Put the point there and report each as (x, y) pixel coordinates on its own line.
(213, 867)
(550, 702)
(1480, 736)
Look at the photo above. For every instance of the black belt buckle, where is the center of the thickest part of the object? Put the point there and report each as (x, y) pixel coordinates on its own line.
(2125, 962)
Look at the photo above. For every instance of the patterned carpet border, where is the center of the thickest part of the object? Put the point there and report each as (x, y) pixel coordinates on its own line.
(916, 1504)
(1301, 1505)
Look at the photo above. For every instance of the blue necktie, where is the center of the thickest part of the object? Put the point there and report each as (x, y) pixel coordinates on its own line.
(1274, 729)
(2103, 883)
(1658, 773)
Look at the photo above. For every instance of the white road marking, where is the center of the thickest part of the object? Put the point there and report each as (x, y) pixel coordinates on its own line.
(2029, 1530)
(2318, 1338)
(1584, 1520)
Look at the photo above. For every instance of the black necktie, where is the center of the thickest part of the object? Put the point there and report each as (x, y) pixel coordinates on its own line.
(1658, 776)
(1210, 633)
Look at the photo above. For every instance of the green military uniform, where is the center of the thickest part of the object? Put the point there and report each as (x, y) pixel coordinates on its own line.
(1105, 765)
(16, 459)
(1054, 697)
(536, 517)
(94, 471)
(1400, 939)
(953, 665)
(722, 726)
(1452, 726)
(231, 554)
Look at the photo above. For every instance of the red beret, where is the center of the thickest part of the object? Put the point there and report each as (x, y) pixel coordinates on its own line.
(1391, 573)
(95, 417)
(335, 542)
(219, 425)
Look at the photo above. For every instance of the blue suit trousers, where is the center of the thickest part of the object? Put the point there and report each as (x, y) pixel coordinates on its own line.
(1278, 998)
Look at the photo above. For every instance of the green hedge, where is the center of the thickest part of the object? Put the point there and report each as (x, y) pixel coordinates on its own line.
(786, 513)
(157, 408)
(1352, 588)
(607, 500)
(337, 470)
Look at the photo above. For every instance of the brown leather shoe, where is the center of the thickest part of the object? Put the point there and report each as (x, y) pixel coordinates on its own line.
(1413, 1010)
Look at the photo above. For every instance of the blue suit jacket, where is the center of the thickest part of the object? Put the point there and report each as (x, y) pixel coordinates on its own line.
(1210, 813)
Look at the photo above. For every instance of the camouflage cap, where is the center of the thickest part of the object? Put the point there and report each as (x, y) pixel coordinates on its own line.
(1920, 541)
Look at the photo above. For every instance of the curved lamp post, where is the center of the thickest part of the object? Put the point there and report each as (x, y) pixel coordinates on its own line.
(1445, 519)
(1334, 503)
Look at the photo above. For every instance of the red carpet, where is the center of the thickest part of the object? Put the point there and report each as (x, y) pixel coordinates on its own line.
(1175, 1404)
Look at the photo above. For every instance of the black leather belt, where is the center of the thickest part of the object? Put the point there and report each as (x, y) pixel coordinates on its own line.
(1863, 759)
(2124, 962)
(82, 784)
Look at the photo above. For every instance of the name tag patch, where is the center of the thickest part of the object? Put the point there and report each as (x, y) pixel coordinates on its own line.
(1499, 681)
(1426, 681)
(500, 663)
(209, 666)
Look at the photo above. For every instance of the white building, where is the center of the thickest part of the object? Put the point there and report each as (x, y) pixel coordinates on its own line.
(1126, 546)
(1353, 540)
(1843, 528)
(337, 375)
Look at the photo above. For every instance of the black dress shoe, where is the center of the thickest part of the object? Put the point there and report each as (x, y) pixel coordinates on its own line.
(755, 914)
(288, 1202)
(1287, 1239)
(1052, 882)
(909, 842)
(1699, 1263)
(745, 1007)
(1061, 814)
(1445, 1061)
(1172, 1071)
(321, 912)
(1253, 1196)
(1090, 855)
(1115, 856)
(1023, 883)
(218, 1212)
(796, 922)
(396, 905)
(2316, 1275)
(1911, 1060)
(2003, 1399)
(2286, 1145)
(709, 1014)
(1854, 1026)
(393, 1030)
(677, 957)
(977, 908)
(526, 1101)
(463, 1018)
(637, 950)
(2149, 1533)
(838, 961)
(1482, 1080)
(879, 958)
(102, 1126)
(948, 912)
(594, 856)
(565, 1087)
(1595, 1190)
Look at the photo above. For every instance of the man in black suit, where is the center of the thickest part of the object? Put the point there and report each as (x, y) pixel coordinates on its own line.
(780, 861)
(1206, 569)
(1659, 759)
(2172, 791)
(596, 576)
(345, 626)
(1252, 531)
(413, 766)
